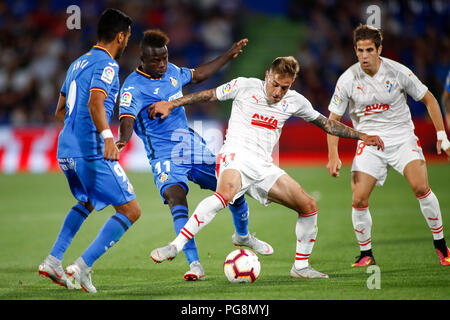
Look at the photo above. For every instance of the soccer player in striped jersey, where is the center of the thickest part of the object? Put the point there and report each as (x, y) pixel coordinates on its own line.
(245, 165)
(374, 90)
(88, 155)
(177, 154)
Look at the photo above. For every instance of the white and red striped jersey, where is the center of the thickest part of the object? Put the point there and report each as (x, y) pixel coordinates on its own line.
(255, 124)
(378, 105)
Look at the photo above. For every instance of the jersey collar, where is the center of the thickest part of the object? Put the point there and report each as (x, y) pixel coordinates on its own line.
(145, 74)
(104, 49)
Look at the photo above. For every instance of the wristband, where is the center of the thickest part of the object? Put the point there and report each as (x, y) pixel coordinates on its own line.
(106, 134)
(441, 135)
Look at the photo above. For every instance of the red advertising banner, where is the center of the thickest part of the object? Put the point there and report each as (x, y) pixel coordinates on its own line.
(33, 149)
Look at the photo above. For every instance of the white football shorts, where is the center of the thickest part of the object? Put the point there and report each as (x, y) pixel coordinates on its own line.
(376, 162)
(257, 176)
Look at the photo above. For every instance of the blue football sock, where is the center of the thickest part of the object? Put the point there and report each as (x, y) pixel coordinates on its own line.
(180, 217)
(109, 234)
(72, 223)
(239, 211)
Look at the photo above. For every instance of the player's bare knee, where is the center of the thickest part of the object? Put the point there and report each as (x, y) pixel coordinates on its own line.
(420, 190)
(360, 202)
(228, 192)
(131, 210)
(175, 196)
(88, 205)
(134, 214)
(309, 206)
(228, 196)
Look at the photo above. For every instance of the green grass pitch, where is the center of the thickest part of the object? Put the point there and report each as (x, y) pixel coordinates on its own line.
(33, 206)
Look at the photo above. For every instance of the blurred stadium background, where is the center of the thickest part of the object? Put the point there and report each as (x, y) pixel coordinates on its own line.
(36, 47)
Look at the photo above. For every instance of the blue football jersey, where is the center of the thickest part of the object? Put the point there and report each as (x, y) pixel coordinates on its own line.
(95, 70)
(170, 138)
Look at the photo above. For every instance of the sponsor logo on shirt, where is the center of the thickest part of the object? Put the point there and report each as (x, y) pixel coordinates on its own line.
(336, 99)
(228, 87)
(177, 95)
(376, 108)
(108, 75)
(264, 121)
(125, 99)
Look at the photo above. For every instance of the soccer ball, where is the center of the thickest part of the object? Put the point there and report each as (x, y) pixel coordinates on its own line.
(242, 265)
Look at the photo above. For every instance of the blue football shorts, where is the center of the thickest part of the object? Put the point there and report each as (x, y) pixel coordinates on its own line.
(102, 182)
(167, 173)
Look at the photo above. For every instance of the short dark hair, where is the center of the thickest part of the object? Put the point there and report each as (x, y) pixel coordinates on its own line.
(154, 38)
(285, 66)
(365, 32)
(111, 22)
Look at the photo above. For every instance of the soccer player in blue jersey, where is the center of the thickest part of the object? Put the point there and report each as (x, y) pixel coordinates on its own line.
(176, 153)
(88, 155)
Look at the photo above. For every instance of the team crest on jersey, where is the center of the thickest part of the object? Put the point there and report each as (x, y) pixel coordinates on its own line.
(163, 177)
(284, 105)
(174, 81)
(125, 99)
(108, 75)
(130, 187)
(388, 85)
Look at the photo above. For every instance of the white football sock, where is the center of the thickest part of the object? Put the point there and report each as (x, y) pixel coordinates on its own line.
(203, 215)
(306, 232)
(362, 225)
(429, 205)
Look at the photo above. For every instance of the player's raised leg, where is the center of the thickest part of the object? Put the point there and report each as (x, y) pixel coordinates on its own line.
(205, 176)
(362, 186)
(286, 191)
(228, 185)
(416, 174)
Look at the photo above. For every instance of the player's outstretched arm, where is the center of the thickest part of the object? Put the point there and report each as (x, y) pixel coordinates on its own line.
(125, 132)
(60, 112)
(206, 70)
(98, 114)
(336, 128)
(164, 108)
(435, 114)
(334, 163)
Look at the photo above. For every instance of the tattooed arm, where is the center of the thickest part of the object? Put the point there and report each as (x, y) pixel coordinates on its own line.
(336, 128)
(165, 107)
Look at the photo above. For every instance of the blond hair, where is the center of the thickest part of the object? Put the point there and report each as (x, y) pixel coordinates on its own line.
(285, 66)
